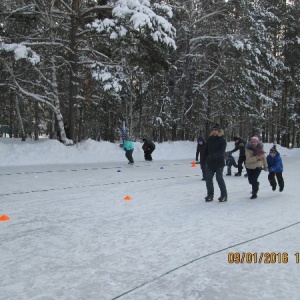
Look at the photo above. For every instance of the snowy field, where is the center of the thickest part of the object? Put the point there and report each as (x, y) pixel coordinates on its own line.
(71, 235)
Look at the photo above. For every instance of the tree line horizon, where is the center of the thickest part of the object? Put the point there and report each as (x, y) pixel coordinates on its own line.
(169, 70)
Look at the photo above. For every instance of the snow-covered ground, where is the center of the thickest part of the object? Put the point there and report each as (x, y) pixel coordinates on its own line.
(71, 235)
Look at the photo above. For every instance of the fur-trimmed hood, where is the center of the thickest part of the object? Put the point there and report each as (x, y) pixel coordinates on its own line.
(221, 133)
(250, 147)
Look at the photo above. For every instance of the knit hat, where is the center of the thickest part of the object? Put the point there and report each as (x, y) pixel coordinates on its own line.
(255, 138)
(236, 138)
(200, 139)
(273, 150)
(216, 127)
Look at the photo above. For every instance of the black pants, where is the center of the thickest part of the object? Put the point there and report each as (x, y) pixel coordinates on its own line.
(203, 169)
(241, 161)
(210, 172)
(273, 182)
(147, 154)
(253, 175)
(128, 154)
(229, 165)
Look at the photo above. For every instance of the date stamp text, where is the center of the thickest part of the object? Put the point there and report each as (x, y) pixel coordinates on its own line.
(262, 257)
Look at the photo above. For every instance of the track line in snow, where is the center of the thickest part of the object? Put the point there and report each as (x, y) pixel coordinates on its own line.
(86, 169)
(202, 257)
(98, 184)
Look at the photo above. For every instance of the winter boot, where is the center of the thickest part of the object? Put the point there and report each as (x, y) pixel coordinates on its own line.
(209, 198)
(237, 174)
(254, 196)
(273, 187)
(222, 199)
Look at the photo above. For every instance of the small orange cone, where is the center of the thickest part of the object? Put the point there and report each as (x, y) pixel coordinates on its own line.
(4, 218)
(127, 198)
(193, 164)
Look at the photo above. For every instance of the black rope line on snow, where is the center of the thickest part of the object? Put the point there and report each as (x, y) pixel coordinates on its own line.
(93, 185)
(202, 257)
(83, 169)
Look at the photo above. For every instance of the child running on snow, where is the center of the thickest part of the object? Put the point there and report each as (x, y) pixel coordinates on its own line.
(229, 161)
(275, 168)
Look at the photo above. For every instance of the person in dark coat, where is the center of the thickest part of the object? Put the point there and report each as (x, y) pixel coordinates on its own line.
(214, 153)
(239, 145)
(200, 151)
(148, 148)
(275, 168)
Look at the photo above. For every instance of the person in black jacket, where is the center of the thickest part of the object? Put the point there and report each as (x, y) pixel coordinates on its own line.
(239, 145)
(214, 154)
(148, 148)
(200, 150)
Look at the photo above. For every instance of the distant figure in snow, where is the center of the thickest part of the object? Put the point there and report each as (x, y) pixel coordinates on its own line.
(200, 151)
(148, 148)
(275, 168)
(128, 147)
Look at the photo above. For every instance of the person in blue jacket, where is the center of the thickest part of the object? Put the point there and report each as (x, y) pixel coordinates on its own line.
(275, 168)
(128, 147)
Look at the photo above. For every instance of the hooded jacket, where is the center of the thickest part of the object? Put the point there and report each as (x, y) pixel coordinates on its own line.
(200, 150)
(240, 145)
(148, 145)
(275, 163)
(128, 145)
(214, 151)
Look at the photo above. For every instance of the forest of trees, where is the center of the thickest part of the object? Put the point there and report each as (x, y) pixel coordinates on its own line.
(169, 69)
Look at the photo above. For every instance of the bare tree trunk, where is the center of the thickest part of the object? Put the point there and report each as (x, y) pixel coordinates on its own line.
(36, 122)
(56, 107)
(74, 81)
(17, 105)
(11, 114)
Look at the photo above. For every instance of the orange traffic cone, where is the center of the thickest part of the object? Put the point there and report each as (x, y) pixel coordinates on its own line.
(4, 218)
(127, 198)
(193, 164)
